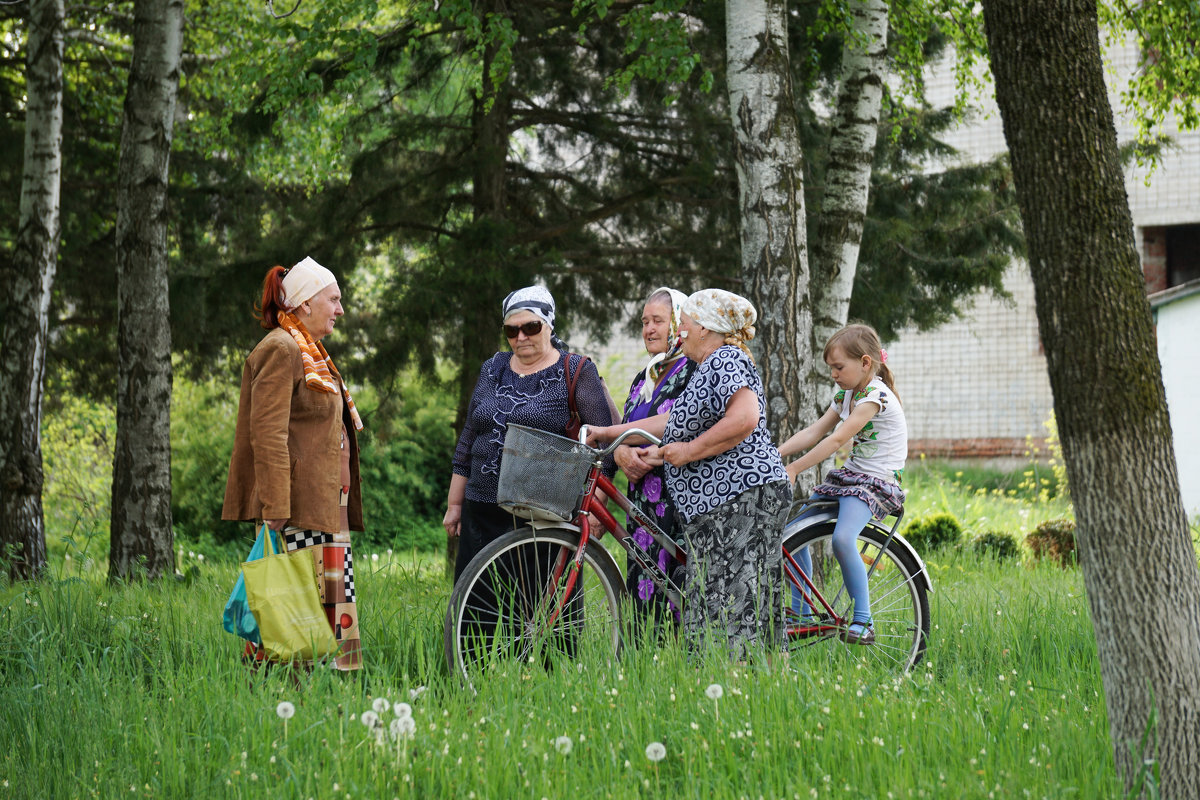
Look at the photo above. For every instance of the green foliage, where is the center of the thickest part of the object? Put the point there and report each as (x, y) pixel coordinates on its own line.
(1000, 545)
(404, 462)
(203, 417)
(1051, 453)
(77, 457)
(1055, 540)
(1166, 82)
(932, 533)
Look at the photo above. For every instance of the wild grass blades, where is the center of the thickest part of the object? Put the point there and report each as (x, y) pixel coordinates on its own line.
(136, 691)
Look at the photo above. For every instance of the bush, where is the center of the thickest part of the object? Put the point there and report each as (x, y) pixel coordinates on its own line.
(1000, 545)
(1054, 539)
(77, 458)
(934, 532)
(405, 466)
(203, 418)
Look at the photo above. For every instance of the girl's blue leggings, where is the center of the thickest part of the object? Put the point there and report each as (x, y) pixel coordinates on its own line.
(853, 516)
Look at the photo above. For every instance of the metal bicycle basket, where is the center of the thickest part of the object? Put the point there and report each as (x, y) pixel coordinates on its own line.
(542, 474)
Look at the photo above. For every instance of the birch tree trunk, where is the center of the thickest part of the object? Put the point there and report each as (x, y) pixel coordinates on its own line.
(844, 202)
(1138, 564)
(142, 540)
(847, 177)
(768, 156)
(26, 290)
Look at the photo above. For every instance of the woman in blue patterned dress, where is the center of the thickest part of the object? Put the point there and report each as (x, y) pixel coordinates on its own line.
(653, 392)
(726, 479)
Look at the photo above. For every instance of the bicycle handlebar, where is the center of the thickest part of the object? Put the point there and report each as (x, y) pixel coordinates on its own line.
(583, 432)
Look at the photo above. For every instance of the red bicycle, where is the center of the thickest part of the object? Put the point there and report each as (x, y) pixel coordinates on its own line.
(551, 590)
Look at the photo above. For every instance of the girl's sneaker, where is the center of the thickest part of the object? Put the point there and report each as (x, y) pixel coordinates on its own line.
(859, 633)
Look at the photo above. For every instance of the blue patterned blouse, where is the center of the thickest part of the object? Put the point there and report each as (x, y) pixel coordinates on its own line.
(536, 401)
(701, 486)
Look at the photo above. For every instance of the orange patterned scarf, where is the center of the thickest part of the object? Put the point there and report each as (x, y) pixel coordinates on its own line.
(319, 372)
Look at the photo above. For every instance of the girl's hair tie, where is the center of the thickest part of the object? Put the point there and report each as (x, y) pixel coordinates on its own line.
(882, 356)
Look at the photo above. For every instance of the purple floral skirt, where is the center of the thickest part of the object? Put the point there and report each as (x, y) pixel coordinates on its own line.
(882, 497)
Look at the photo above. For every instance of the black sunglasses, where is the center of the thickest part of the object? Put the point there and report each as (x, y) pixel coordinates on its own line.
(529, 329)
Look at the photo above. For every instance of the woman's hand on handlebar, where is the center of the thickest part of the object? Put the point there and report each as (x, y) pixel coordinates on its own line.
(630, 460)
(597, 436)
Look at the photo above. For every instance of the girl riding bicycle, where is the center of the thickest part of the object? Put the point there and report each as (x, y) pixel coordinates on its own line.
(865, 411)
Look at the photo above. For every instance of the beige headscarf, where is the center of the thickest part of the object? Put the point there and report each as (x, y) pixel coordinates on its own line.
(724, 312)
(303, 281)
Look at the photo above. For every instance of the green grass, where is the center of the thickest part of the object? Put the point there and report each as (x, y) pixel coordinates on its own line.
(136, 691)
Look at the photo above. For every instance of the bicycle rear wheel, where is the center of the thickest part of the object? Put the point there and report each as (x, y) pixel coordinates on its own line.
(509, 604)
(899, 600)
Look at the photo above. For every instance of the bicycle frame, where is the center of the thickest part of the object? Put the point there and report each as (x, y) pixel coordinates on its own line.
(827, 622)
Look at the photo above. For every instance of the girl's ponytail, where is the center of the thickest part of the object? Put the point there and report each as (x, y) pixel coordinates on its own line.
(885, 373)
(267, 310)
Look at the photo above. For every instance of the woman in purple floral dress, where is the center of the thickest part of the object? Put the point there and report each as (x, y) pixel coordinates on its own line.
(652, 393)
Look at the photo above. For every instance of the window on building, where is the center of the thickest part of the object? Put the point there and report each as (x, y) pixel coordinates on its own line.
(1170, 256)
(1183, 254)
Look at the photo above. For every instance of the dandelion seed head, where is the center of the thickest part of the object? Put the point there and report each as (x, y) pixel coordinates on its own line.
(656, 751)
(402, 710)
(403, 727)
(714, 691)
(370, 719)
(285, 710)
(381, 705)
(563, 744)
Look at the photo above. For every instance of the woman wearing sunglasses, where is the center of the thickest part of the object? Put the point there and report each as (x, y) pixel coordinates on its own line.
(526, 386)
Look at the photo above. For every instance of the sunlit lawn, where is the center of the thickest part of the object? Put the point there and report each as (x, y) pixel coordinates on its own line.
(136, 691)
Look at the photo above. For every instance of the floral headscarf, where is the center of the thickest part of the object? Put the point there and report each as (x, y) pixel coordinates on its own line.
(661, 362)
(724, 312)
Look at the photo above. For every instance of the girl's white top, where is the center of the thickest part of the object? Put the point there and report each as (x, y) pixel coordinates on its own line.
(881, 447)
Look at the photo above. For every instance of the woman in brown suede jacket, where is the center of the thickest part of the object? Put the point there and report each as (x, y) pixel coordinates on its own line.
(295, 454)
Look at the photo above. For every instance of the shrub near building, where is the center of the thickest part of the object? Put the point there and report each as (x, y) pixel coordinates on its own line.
(1054, 539)
(932, 533)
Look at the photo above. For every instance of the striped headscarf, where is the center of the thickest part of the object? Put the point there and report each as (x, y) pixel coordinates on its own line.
(319, 372)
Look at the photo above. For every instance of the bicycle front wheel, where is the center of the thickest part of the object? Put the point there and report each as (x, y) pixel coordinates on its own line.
(899, 600)
(511, 604)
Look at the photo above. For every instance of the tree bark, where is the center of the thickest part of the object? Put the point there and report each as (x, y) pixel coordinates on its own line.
(1134, 548)
(27, 298)
(487, 240)
(775, 272)
(142, 540)
(847, 178)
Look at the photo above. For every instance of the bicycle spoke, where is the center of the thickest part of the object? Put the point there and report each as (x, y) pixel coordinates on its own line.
(898, 604)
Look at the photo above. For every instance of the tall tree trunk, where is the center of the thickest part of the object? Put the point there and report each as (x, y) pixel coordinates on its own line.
(486, 243)
(27, 298)
(847, 178)
(775, 274)
(1138, 564)
(844, 203)
(141, 488)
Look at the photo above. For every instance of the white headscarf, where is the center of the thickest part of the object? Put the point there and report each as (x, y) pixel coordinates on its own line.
(659, 362)
(303, 281)
(724, 312)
